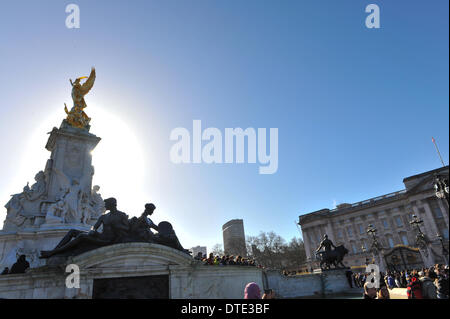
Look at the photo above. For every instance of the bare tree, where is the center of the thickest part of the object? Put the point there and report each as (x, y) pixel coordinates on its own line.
(217, 250)
(271, 251)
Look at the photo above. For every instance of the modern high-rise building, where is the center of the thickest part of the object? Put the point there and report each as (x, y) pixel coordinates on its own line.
(234, 238)
(391, 215)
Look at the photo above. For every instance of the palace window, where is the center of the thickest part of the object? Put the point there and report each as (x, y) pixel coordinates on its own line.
(445, 233)
(385, 223)
(349, 231)
(361, 229)
(436, 209)
(355, 251)
(339, 233)
(399, 222)
(405, 240)
(391, 242)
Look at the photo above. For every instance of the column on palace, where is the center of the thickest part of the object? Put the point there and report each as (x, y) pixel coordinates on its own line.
(427, 225)
(330, 232)
(429, 216)
(307, 244)
(444, 210)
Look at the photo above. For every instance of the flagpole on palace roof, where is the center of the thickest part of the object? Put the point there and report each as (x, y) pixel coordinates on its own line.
(437, 149)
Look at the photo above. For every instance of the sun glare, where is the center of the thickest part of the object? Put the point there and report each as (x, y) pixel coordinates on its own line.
(118, 159)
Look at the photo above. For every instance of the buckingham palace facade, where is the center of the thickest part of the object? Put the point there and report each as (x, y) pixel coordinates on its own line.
(390, 214)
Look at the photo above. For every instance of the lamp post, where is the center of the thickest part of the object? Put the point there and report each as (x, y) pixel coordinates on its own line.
(421, 239)
(444, 250)
(371, 230)
(441, 187)
(376, 248)
(364, 251)
(423, 242)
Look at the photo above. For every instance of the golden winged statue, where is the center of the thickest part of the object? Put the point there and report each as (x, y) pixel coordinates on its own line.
(76, 117)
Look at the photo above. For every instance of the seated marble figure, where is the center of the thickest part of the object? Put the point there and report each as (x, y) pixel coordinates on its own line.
(117, 228)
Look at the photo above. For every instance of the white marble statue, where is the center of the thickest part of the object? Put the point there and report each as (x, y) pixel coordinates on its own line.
(71, 194)
(72, 198)
(18, 204)
(97, 202)
(87, 211)
(56, 213)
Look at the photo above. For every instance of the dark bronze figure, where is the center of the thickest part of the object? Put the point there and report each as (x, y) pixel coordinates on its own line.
(20, 266)
(330, 257)
(140, 227)
(117, 228)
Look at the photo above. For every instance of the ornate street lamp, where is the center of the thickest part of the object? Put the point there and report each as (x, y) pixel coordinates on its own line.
(364, 251)
(376, 249)
(441, 187)
(444, 250)
(375, 244)
(421, 239)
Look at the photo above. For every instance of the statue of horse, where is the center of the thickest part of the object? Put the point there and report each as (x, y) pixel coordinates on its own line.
(333, 257)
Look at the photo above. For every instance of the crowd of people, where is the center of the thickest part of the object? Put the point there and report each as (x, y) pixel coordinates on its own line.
(426, 283)
(224, 260)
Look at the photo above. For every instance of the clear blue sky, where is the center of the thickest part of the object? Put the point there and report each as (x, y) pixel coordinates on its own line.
(355, 108)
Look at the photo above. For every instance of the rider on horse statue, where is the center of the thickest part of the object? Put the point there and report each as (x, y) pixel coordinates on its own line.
(325, 243)
(330, 256)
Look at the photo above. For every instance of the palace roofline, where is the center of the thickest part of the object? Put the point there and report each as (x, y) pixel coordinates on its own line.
(425, 173)
(374, 201)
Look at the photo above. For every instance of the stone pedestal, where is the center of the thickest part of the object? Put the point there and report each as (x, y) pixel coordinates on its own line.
(70, 149)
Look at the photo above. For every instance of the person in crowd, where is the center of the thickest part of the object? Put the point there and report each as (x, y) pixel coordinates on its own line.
(369, 293)
(199, 256)
(268, 294)
(441, 282)
(210, 259)
(355, 279)
(403, 281)
(390, 281)
(427, 282)
(382, 291)
(224, 261)
(414, 288)
(349, 275)
(252, 291)
(397, 279)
